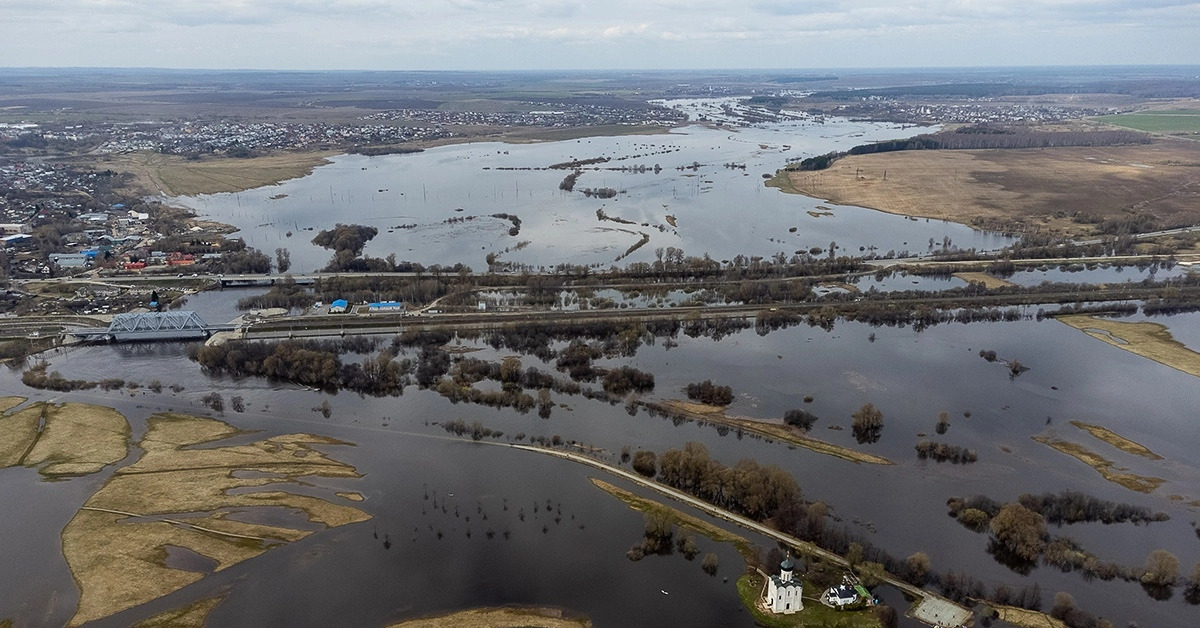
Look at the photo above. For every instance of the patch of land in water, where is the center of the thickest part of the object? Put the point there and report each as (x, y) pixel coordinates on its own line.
(515, 617)
(680, 518)
(1149, 340)
(1016, 189)
(988, 281)
(1027, 618)
(193, 615)
(173, 175)
(814, 615)
(182, 496)
(8, 403)
(1116, 440)
(67, 439)
(1139, 483)
(780, 432)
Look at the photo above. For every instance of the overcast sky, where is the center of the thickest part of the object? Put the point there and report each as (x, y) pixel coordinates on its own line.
(595, 34)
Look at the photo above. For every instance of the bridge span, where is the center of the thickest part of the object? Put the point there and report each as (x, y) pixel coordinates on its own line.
(151, 326)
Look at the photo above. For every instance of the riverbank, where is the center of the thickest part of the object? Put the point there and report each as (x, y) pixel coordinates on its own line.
(780, 432)
(1149, 340)
(173, 175)
(1014, 190)
(515, 617)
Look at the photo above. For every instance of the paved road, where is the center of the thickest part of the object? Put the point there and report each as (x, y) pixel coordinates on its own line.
(933, 609)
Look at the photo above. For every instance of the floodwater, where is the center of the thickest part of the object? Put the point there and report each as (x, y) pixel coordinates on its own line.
(394, 566)
(346, 575)
(719, 210)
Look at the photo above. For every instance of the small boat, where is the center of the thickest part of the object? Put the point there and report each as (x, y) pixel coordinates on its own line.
(663, 592)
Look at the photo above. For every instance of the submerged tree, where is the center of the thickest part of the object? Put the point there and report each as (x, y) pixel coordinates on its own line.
(1020, 531)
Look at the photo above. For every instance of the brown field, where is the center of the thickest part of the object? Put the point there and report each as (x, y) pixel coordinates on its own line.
(1139, 483)
(1027, 618)
(115, 544)
(500, 618)
(680, 518)
(193, 615)
(172, 175)
(8, 403)
(1116, 440)
(1034, 190)
(987, 280)
(76, 438)
(777, 431)
(1149, 340)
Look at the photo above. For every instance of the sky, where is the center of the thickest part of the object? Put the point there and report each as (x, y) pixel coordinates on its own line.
(595, 34)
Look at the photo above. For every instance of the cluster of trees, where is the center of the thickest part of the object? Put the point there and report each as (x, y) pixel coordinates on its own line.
(747, 488)
(315, 363)
(1065, 507)
(351, 238)
(625, 379)
(867, 424)
(709, 393)
(477, 430)
(37, 377)
(568, 182)
(599, 192)
(802, 419)
(248, 261)
(943, 452)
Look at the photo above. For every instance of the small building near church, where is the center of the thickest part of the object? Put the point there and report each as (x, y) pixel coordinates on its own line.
(783, 595)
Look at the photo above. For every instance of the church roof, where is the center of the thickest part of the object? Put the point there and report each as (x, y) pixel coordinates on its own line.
(787, 564)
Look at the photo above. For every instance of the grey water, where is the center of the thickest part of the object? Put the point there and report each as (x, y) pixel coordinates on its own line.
(719, 211)
(911, 376)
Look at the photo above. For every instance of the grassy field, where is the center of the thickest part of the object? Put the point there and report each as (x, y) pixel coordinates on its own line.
(518, 617)
(814, 615)
(172, 175)
(988, 281)
(1036, 190)
(1172, 122)
(1116, 440)
(777, 431)
(118, 560)
(680, 518)
(1027, 618)
(1149, 340)
(1104, 466)
(192, 615)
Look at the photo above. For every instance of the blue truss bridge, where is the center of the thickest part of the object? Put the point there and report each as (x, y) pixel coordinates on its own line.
(151, 327)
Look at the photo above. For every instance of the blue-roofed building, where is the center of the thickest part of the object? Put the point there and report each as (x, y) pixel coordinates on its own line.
(386, 306)
(338, 306)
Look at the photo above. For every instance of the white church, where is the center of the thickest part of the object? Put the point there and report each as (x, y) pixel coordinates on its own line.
(783, 593)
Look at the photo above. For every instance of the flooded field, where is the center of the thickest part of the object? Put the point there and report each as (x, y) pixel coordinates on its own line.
(411, 558)
(706, 180)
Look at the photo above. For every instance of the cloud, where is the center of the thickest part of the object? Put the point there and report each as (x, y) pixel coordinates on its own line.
(674, 33)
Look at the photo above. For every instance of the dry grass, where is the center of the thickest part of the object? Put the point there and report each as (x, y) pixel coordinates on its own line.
(987, 280)
(1149, 340)
(172, 175)
(8, 403)
(76, 438)
(1116, 440)
(680, 518)
(1035, 189)
(777, 431)
(193, 615)
(20, 432)
(116, 557)
(1027, 618)
(1139, 483)
(500, 618)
